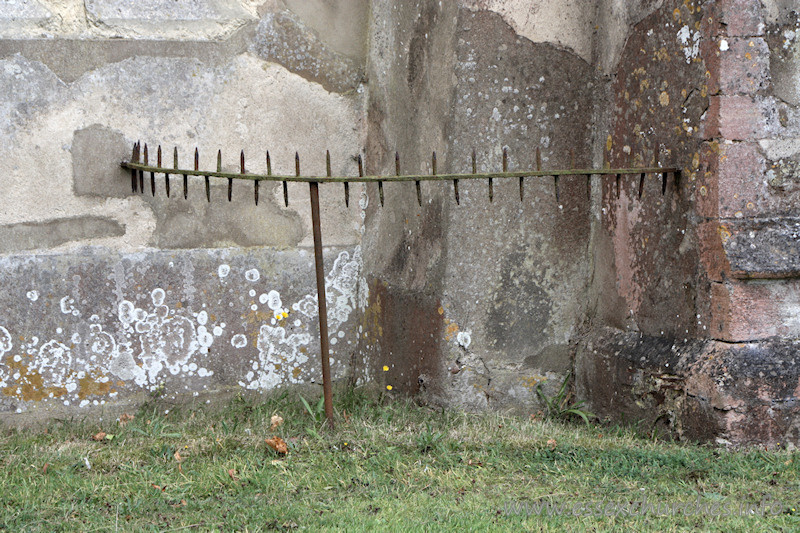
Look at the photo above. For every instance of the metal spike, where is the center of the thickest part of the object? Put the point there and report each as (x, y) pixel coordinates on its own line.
(455, 191)
(166, 174)
(134, 159)
(380, 183)
(641, 184)
(152, 175)
(141, 172)
(619, 183)
(241, 169)
(555, 186)
(185, 177)
(663, 174)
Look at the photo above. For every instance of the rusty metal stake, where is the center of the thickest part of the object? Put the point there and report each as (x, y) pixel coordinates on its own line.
(324, 345)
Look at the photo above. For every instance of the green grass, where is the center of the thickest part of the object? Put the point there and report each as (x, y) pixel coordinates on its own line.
(388, 466)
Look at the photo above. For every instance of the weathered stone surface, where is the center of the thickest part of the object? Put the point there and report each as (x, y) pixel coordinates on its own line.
(742, 18)
(191, 19)
(69, 59)
(340, 24)
(94, 151)
(744, 66)
(28, 88)
(751, 310)
(23, 16)
(737, 118)
(763, 248)
(659, 101)
(97, 327)
(52, 233)
(281, 37)
(742, 188)
(784, 46)
(738, 394)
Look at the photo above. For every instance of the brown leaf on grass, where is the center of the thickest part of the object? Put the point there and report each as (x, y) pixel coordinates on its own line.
(178, 459)
(474, 463)
(124, 418)
(99, 436)
(551, 443)
(276, 421)
(44, 468)
(158, 487)
(232, 474)
(277, 444)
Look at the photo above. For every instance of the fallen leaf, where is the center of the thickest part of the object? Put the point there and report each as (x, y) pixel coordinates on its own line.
(277, 444)
(44, 468)
(474, 463)
(276, 421)
(158, 487)
(99, 436)
(109, 436)
(232, 474)
(124, 418)
(178, 459)
(551, 443)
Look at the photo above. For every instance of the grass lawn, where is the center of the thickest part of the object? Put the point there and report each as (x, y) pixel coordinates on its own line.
(388, 465)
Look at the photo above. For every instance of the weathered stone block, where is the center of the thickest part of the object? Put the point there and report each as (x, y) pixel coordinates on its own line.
(737, 118)
(283, 38)
(763, 248)
(748, 310)
(195, 19)
(744, 66)
(96, 155)
(742, 180)
(51, 233)
(95, 328)
(23, 17)
(737, 394)
(742, 18)
(711, 251)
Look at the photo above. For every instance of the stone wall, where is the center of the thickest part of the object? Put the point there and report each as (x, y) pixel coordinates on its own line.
(112, 295)
(672, 300)
(696, 320)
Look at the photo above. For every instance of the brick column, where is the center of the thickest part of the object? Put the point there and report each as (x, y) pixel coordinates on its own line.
(749, 239)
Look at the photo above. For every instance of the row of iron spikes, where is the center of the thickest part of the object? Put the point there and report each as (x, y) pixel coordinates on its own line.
(137, 149)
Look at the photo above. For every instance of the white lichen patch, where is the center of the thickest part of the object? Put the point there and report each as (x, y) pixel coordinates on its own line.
(690, 42)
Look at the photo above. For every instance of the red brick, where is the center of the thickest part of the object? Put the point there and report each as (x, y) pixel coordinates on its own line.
(744, 66)
(706, 190)
(712, 254)
(736, 118)
(741, 18)
(741, 182)
(742, 312)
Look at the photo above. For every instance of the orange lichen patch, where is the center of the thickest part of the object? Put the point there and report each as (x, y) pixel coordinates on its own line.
(30, 385)
(258, 317)
(296, 372)
(90, 385)
(530, 382)
(450, 331)
(441, 310)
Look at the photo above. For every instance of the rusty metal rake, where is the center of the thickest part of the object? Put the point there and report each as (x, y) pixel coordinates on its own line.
(139, 165)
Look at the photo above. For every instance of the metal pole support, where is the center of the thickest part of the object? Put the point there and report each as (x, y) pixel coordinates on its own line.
(322, 303)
